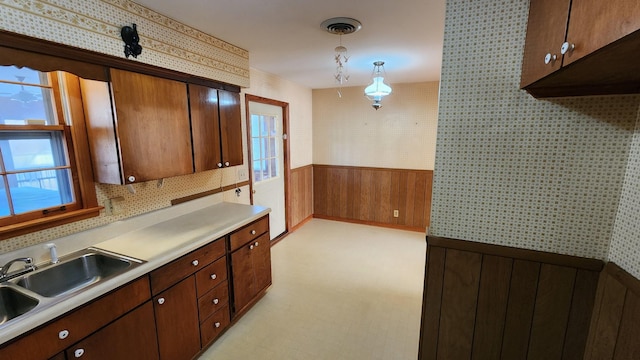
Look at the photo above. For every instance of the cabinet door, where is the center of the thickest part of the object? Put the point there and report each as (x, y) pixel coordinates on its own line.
(133, 336)
(205, 127)
(546, 31)
(152, 126)
(596, 23)
(230, 127)
(251, 271)
(176, 311)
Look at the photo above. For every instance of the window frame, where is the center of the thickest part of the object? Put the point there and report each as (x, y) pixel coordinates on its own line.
(67, 105)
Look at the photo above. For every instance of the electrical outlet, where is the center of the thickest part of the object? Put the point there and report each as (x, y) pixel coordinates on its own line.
(396, 213)
(242, 174)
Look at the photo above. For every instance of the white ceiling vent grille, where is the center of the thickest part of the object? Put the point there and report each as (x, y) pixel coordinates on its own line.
(341, 25)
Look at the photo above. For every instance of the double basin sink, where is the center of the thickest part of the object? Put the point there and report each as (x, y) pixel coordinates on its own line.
(51, 284)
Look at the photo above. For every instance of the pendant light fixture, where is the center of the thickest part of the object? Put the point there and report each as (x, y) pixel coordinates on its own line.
(341, 26)
(378, 89)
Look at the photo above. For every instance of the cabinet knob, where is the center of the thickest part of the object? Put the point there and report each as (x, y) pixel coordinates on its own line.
(131, 178)
(161, 301)
(226, 163)
(219, 164)
(253, 232)
(217, 325)
(251, 247)
(215, 301)
(214, 276)
(550, 58)
(256, 244)
(63, 334)
(195, 263)
(78, 353)
(567, 47)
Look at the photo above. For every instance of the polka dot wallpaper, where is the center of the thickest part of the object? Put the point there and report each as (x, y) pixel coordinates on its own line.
(517, 171)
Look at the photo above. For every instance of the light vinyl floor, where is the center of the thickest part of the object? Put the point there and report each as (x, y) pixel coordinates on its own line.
(340, 291)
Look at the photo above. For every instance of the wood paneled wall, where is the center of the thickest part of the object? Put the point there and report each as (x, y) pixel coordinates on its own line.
(615, 325)
(301, 195)
(369, 195)
(486, 301)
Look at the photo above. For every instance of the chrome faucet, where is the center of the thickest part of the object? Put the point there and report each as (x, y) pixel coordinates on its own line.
(28, 267)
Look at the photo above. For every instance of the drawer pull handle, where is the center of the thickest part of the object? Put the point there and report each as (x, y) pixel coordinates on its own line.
(214, 276)
(161, 301)
(63, 334)
(195, 263)
(217, 325)
(78, 353)
(253, 232)
(215, 301)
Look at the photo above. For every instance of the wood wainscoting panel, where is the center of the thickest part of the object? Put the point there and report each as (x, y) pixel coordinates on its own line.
(370, 195)
(614, 330)
(301, 203)
(498, 302)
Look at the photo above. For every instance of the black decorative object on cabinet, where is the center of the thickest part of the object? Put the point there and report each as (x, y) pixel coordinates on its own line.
(130, 37)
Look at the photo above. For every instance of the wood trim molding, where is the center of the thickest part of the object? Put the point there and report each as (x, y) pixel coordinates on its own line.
(76, 57)
(207, 193)
(371, 223)
(626, 279)
(347, 167)
(516, 253)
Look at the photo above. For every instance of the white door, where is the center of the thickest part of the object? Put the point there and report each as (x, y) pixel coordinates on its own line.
(267, 160)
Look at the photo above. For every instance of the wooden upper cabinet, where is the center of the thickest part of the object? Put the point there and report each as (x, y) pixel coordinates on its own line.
(148, 138)
(595, 45)
(205, 127)
(216, 126)
(546, 31)
(230, 127)
(595, 24)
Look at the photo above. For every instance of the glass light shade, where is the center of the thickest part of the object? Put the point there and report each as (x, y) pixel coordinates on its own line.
(378, 89)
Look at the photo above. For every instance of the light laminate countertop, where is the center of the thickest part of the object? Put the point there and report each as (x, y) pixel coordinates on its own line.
(156, 244)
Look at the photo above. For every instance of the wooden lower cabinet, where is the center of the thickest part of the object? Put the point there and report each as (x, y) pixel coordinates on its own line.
(176, 311)
(251, 266)
(133, 336)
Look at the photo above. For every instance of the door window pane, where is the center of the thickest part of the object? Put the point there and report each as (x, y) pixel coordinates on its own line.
(264, 147)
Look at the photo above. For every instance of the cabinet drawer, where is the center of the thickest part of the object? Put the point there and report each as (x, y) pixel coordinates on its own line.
(214, 325)
(179, 269)
(211, 276)
(249, 232)
(213, 301)
(64, 332)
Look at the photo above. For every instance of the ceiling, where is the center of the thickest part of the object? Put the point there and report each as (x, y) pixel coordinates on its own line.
(284, 37)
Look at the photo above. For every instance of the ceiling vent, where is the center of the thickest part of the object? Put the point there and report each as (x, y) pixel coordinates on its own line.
(341, 25)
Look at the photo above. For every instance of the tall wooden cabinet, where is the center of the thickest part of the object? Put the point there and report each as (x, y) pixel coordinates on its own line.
(138, 128)
(582, 47)
(216, 126)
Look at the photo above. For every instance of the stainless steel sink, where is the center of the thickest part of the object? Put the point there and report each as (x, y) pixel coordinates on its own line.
(14, 303)
(74, 274)
(51, 284)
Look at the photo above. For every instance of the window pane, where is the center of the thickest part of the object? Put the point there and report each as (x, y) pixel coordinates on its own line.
(272, 147)
(264, 125)
(272, 125)
(264, 148)
(255, 148)
(40, 190)
(265, 170)
(257, 171)
(27, 100)
(274, 168)
(4, 202)
(255, 125)
(31, 150)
